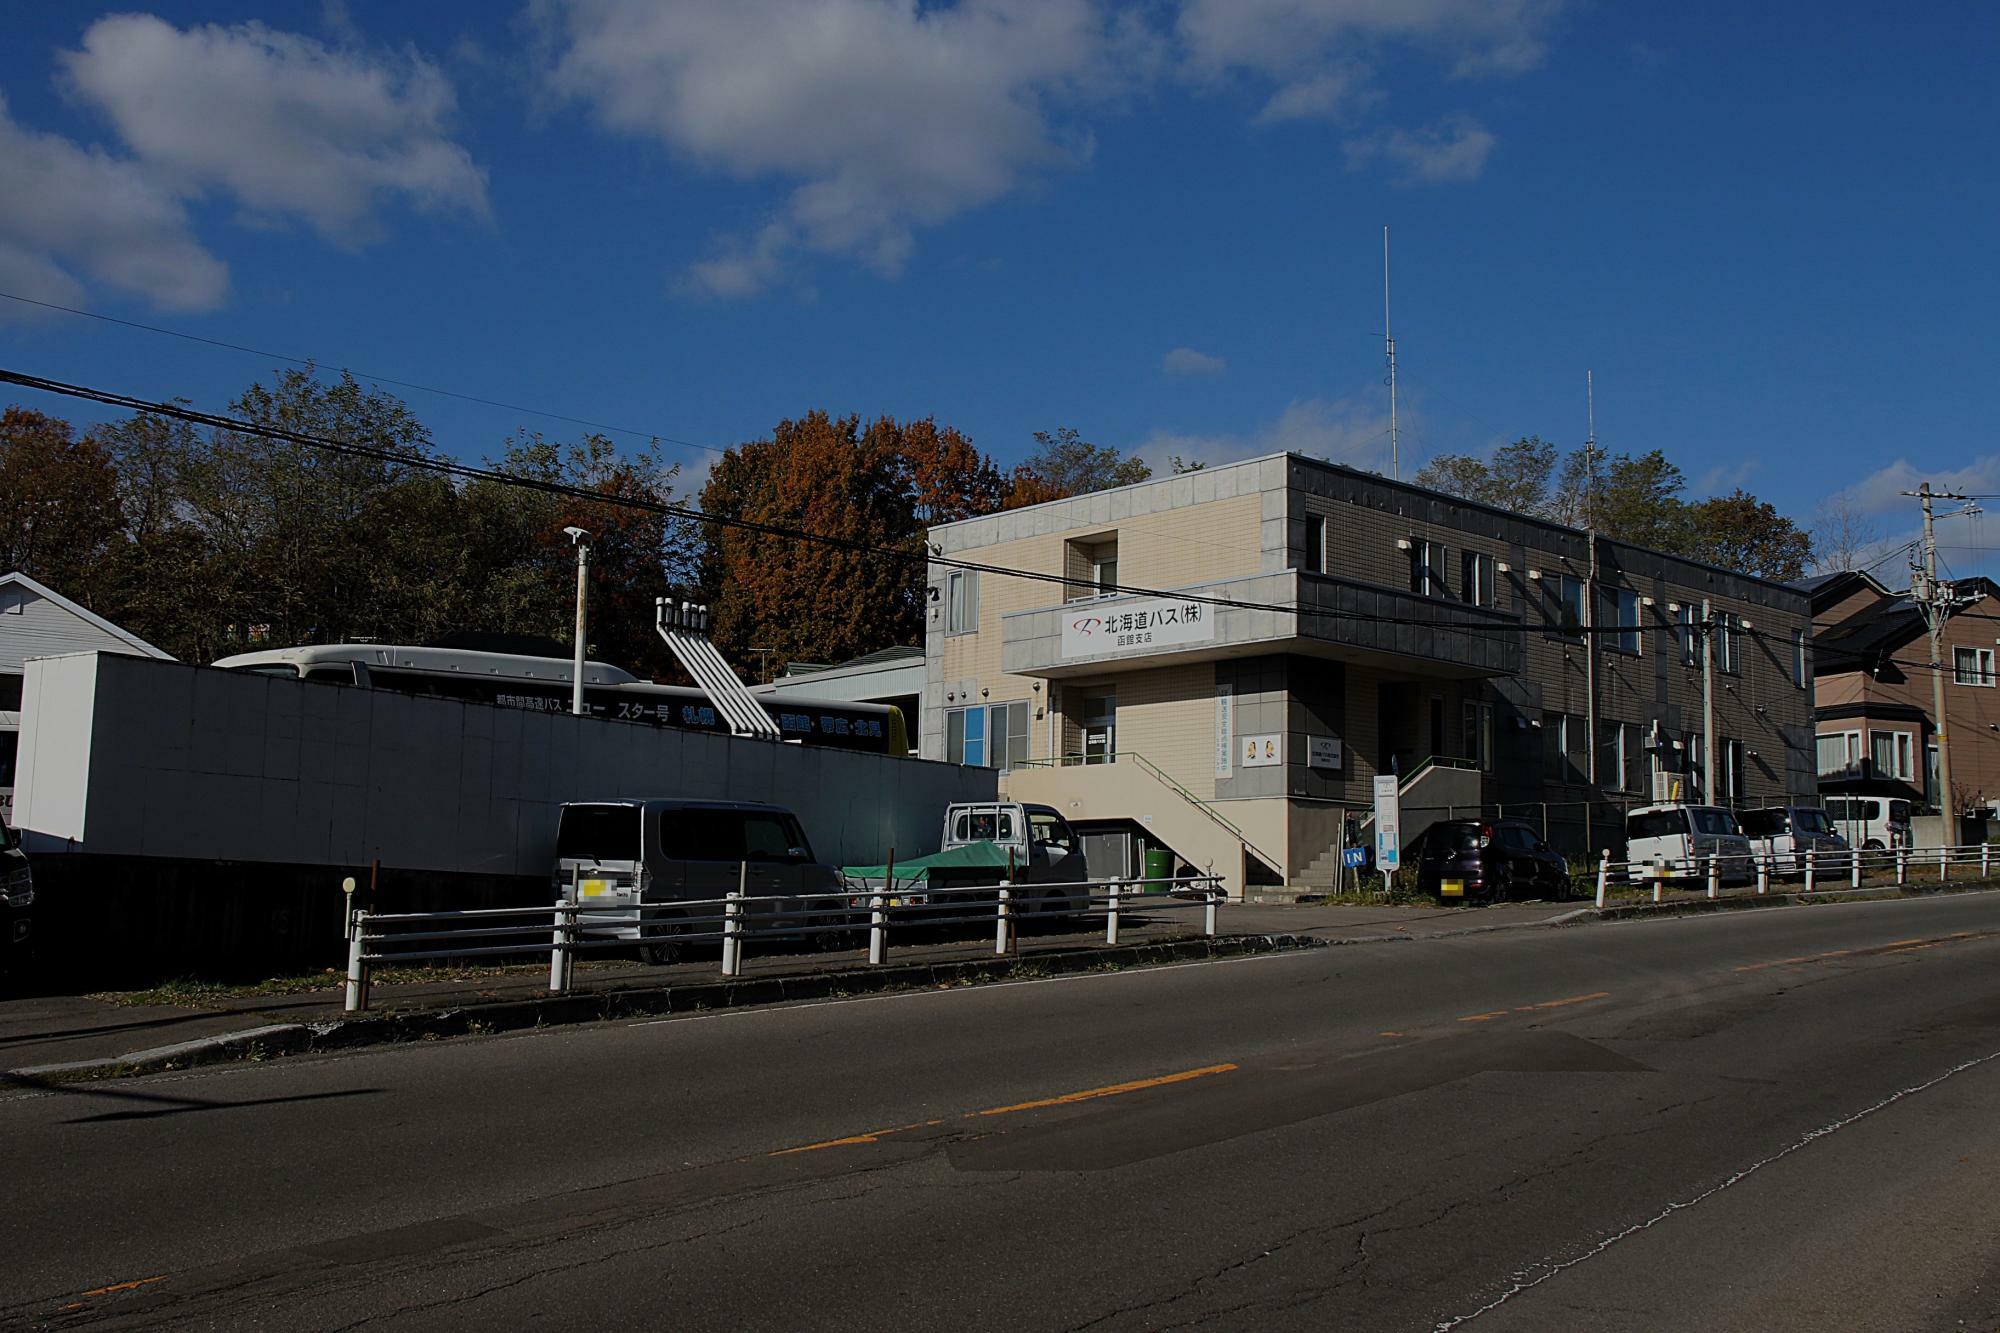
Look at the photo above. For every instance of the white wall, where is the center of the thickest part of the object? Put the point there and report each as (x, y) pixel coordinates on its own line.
(132, 756)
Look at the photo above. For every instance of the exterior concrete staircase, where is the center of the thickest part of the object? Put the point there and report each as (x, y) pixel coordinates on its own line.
(1133, 788)
(1439, 789)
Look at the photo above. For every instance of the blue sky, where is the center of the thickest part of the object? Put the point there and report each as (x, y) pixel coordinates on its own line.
(1767, 229)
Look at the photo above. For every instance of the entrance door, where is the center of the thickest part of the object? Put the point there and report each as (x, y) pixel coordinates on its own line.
(1396, 719)
(1437, 726)
(1097, 713)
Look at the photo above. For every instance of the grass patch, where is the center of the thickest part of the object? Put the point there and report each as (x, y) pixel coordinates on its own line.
(195, 993)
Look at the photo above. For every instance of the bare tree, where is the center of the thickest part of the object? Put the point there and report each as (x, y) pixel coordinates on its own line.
(1842, 536)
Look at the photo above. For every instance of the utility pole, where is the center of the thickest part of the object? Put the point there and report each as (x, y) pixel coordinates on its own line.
(1389, 346)
(1707, 702)
(1937, 601)
(582, 540)
(1590, 584)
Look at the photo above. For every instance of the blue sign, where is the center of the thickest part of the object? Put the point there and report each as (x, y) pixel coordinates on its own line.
(1354, 857)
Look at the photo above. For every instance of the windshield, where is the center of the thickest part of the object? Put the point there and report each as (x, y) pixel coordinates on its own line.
(1656, 824)
(1899, 812)
(598, 833)
(1450, 839)
(1808, 821)
(1766, 823)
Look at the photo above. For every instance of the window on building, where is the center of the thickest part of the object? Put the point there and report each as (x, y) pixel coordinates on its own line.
(1729, 790)
(961, 601)
(1477, 584)
(1892, 754)
(1972, 666)
(1931, 783)
(1688, 634)
(1697, 767)
(1728, 629)
(1567, 745)
(1840, 754)
(1315, 544)
(1620, 756)
(1569, 605)
(1621, 616)
(1427, 566)
(10, 691)
(1801, 668)
(988, 736)
(10, 744)
(1093, 569)
(1478, 723)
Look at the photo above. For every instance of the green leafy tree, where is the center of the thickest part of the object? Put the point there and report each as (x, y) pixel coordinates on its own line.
(60, 520)
(1738, 531)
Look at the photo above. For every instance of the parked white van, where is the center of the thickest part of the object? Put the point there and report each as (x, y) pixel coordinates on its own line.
(1677, 841)
(634, 858)
(1783, 834)
(1871, 822)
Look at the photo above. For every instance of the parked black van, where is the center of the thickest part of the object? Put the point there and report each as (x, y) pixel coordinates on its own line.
(1494, 859)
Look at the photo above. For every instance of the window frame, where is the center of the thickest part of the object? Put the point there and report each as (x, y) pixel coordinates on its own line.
(1428, 563)
(961, 602)
(1315, 544)
(1570, 596)
(1981, 675)
(1801, 660)
(1478, 579)
(1627, 636)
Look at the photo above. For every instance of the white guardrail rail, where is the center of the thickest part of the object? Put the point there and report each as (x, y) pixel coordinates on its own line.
(1829, 871)
(664, 929)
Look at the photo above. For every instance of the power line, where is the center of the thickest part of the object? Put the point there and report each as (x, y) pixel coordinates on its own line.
(181, 412)
(380, 379)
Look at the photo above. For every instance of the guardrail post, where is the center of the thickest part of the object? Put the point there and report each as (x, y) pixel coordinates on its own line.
(732, 934)
(1944, 861)
(1208, 912)
(559, 949)
(1810, 867)
(878, 929)
(1853, 869)
(1111, 918)
(1002, 920)
(1603, 875)
(1714, 875)
(1763, 874)
(357, 964)
(1985, 859)
(1902, 866)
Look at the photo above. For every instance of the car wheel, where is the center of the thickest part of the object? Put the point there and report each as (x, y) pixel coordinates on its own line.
(1873, 845)
(663, 945)
(1056, 903)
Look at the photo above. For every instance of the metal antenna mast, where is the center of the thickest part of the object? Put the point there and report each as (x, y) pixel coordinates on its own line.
(1389, 346)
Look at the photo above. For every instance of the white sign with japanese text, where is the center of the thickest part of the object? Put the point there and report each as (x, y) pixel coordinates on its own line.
(1225, 728)
(1388, 823)
(1094, 629)
(1322, 752)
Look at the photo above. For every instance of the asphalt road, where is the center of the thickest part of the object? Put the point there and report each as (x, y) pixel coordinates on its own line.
(1770, 1120)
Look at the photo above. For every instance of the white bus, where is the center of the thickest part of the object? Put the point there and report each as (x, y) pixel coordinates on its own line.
(542, 684)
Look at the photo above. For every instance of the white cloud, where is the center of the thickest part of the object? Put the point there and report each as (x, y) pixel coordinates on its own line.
(886, 117)
(1345, 430)
(1453, 151)
(1318, 53)
(74, 213)
(1187, 361)
(289, 126)
(1882, 491)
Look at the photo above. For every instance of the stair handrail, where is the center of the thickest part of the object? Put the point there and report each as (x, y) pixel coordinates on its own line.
(1079, 760)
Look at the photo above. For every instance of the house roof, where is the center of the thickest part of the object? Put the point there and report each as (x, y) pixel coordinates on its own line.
(1879, 629)
(138, 645)
(882, 657)
(1827, 590)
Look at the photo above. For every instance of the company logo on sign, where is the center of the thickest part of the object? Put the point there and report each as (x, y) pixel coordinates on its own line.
(1094, 630)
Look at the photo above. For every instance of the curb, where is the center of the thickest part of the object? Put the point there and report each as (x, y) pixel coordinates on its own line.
(1818, 898)
(394, 1027)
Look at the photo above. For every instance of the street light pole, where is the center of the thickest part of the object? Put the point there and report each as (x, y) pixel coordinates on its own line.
(582, 540)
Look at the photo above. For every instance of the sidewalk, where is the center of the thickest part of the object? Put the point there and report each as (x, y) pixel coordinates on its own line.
(42, 1031)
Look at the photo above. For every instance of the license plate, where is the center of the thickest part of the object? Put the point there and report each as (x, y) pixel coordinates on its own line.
(1452, 888)
(596, 888)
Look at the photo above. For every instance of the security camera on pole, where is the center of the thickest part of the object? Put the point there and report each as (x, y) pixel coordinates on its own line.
(582, 540)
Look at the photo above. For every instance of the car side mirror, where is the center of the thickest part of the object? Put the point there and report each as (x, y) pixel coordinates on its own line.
(797, 854)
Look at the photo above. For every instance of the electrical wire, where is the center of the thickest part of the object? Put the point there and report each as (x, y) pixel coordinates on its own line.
(425, 462)
(362, 374)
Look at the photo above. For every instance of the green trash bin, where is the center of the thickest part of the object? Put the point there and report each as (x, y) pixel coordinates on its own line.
(1159, 865)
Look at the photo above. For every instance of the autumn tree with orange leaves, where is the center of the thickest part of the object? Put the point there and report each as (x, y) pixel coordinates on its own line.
(873, 489)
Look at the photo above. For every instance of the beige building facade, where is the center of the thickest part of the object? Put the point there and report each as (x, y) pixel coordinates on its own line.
(1304, 627)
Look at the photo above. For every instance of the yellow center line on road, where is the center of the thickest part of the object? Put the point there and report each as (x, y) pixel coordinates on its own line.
(1895, 946)
(1566, 1000)
(1065, 1099)
(111, 1290)
(1114, 1090)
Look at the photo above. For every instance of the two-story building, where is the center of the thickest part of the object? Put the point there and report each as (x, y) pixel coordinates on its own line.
(1876, 719)
(1316, 626)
